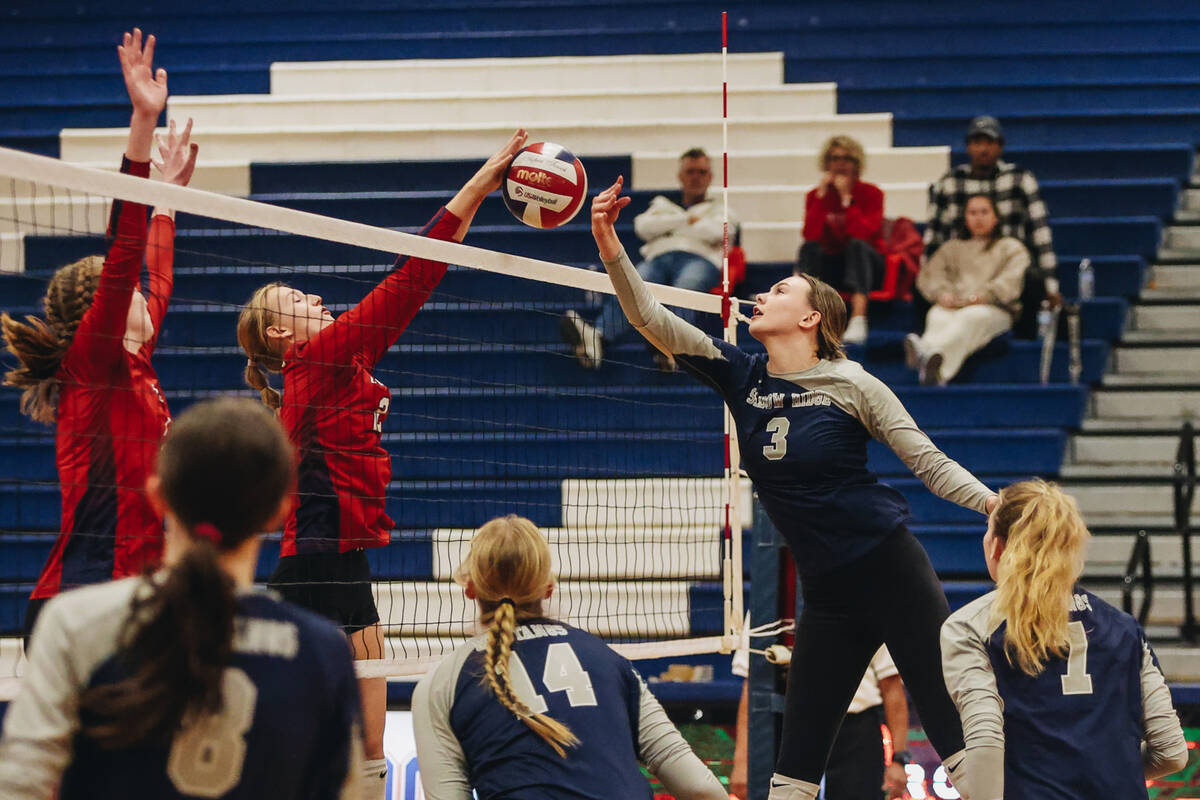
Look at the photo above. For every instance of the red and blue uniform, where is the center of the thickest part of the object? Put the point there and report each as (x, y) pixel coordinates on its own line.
(333, 411)
(112, 414)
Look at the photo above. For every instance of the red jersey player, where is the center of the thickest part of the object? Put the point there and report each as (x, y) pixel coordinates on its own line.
(86, 367)
(333, 409)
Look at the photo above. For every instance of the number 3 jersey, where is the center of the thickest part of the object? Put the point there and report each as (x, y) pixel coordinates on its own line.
(804, 435)
(288, 728)
(467, 740)
(1075, 730)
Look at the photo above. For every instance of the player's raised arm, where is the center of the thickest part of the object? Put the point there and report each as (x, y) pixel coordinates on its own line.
(178, 154)
(663, 329)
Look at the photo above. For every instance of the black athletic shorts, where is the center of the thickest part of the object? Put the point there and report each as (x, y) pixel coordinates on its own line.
(334, 585)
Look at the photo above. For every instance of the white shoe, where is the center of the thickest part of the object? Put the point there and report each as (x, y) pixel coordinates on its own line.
(931, 370)
(856, 331)
(583, 336)
(912, 351)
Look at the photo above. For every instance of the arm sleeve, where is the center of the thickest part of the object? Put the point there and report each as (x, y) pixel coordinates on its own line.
(439, 755)
(1164, 748)
(814, 216)
(372, 326)
(887, 420)
(97, 345)
(864, 219)
(931, 280)
(1005, 287)
(1041, 242)
(160, 261)
(659, 219)
(664, 751)
(972, 686)
(43, 719)
(936, 229)
(720, 364)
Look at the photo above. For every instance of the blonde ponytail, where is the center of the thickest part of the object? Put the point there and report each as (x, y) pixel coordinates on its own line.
(501, 635)
(1044, 538)
(509, 567)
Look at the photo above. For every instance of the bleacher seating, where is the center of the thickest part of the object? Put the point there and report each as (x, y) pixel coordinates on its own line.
(1098, 101)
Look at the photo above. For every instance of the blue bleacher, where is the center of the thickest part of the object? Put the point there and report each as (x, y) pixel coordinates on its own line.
(1097, 99)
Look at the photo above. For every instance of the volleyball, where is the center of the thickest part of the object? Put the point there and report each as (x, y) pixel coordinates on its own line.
(545, 185)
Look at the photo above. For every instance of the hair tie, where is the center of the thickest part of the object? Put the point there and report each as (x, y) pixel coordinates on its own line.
(250, 362)
(507, 601)
(208, 532)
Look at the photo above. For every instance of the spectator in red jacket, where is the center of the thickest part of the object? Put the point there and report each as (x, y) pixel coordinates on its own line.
(843, 230)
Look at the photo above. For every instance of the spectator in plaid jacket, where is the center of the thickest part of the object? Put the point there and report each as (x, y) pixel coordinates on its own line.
(1018, 202)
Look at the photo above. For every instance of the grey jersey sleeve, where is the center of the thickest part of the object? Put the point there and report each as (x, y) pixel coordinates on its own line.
(971, 683)
(1164, 748)
(440, 756)
(886, 419)
(651, 318)
(664, 751)
(75, 632)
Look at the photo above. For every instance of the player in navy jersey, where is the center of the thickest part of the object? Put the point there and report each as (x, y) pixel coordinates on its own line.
(333, 409)
(536, 709)
(804, 415)
(189, 682)
(1060, 694)
(86, 368)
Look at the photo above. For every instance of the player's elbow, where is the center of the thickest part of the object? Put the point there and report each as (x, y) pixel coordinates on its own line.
(1167, 761)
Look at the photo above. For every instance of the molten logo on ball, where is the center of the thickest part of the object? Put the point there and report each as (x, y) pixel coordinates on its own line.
(545, 185)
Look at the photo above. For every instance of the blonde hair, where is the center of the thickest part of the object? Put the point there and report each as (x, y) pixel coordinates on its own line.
(829, 304)
(1044, 538)
(41, 345)
(847, 143)
(262, 354)
(509, 566)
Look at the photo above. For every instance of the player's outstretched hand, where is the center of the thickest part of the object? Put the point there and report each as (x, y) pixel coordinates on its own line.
(605, 210)
(489, 176)
(147, 88)
(178, 155)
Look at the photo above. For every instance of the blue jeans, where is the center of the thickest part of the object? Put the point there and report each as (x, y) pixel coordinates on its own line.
(675, 268)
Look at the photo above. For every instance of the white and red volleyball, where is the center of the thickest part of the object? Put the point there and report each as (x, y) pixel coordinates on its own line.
(545, 185)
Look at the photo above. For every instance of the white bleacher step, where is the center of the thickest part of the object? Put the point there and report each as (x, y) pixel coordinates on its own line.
(785, 204)
(1131, 404)
(350, 142)
(1182, 237)
(1174, 276)
(1117, 503)
(1166, 609)
(655, 502)
(554, 73)
(1186, 378)
(795, 166)
(1178, 294)
(1108, 555)
(529, 108)
(1190, 198)
(1180, 663)
(1147, 426)
(226, 177)
(606, 553)
(1115, 471)
(1134, 362)
(1112, 449)
(12, 252)
(1179, 255)
(633, 608)
(1183, 318)
(1161, 337)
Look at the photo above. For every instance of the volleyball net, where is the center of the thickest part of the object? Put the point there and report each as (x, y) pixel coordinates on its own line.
(624, 469)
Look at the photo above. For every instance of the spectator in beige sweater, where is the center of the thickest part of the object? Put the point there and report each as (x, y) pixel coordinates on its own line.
(975, 287)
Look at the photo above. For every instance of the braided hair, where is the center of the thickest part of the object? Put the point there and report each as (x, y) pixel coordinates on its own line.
(41, 344)
(262, 355)
(509, 566)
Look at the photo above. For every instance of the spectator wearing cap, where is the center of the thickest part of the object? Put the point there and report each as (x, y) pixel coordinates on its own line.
(1017, 198)
(843, 230)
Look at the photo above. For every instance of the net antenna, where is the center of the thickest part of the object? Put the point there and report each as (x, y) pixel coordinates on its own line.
(732, 562)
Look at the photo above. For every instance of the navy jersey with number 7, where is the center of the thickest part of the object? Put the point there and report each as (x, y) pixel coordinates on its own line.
(1075, 730)
(288, 728)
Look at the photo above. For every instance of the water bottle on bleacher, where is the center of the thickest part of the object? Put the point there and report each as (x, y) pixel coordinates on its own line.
(1087, 280)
